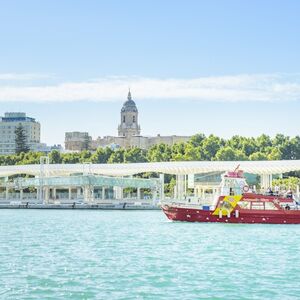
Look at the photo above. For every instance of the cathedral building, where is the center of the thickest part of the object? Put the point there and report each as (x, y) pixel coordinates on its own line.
(129, 125)
(129, 133)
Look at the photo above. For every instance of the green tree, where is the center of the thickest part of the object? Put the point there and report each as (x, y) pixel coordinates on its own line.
(249, 146)
(29, 158)
(135, 155)
(287, 183)
(279, 140)
(197, 139)
(159, 152)
(246, 145)
(263, 142)
(211, 146)
(54, 157)
(236, 142)
(178, 152)
(258, 156)
(191, 152)
(21, 139)
(85, 156)
(169, 187)
(227, 153)
(117, 156)
(71, 158)
(101, 156)
(290, 148)
(274, 154)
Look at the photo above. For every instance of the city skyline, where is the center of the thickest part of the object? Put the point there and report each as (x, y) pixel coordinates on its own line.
(212, 67)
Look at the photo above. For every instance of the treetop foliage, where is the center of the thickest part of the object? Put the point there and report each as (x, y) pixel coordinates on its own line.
(199, 147)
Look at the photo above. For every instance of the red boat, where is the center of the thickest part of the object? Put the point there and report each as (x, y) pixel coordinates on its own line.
(236, 204)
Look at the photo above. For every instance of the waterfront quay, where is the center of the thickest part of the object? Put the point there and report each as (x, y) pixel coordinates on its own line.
(48, 186)
(120, 186)
(81, 191)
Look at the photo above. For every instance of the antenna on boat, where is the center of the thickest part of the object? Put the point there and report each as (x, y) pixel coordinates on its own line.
(236, 169)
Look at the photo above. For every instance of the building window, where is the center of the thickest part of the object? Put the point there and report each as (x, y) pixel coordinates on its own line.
(123, 119)
(133, 119)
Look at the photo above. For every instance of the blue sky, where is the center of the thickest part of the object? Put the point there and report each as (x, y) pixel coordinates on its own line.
(221, 67)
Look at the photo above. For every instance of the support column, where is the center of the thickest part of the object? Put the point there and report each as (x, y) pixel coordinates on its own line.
(118, 191)
(70, 193)
(266, 181)
(185, 186)
(162, 186)
(40, 191)
(88, 194)
(54, 193)
(154, 195)
(103, 193)
(175, 190)
(21, 195)
(180, 183)
(138, 193)
(78, 192)
(47, 192)
(6, 193)
(37, 193)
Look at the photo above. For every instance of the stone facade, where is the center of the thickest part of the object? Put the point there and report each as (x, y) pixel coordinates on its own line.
(142, 142)
(77, 141)
(129, 133)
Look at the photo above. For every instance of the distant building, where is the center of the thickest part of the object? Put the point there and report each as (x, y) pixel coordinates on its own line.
(42, 147)
(129, 133)
(78, 141)
(8, 124)
(129, 125)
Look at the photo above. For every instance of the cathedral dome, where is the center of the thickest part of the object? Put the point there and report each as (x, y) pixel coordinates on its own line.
(129, 105)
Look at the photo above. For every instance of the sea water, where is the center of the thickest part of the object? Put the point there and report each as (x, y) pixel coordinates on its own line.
(98, 254)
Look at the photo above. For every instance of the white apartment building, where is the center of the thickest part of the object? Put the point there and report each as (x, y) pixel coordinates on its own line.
(8, 124)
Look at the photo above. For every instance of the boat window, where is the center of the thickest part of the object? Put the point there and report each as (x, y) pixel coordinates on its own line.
(244, 204)
(236, 191)
(226, 191)
(270, 206)
(257, 205)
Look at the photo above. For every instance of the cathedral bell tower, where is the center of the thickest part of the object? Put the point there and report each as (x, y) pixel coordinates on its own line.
(129, 119)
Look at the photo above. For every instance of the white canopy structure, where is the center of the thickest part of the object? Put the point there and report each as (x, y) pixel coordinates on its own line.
(178, 168)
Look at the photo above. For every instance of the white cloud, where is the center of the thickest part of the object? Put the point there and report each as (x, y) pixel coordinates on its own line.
(257, 87)
(23, 76)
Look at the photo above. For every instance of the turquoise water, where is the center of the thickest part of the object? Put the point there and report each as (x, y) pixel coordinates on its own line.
(60, 254)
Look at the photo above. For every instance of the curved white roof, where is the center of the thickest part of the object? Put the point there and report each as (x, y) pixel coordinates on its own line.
(182, 167)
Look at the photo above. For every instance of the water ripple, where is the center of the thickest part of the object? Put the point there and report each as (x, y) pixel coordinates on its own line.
(139, 255)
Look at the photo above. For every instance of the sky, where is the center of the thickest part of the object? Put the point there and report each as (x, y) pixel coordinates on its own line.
(215, 67)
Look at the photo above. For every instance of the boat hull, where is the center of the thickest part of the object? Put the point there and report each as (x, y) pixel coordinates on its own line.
(176, 213)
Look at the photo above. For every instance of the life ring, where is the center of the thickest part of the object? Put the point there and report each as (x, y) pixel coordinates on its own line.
(246, 188)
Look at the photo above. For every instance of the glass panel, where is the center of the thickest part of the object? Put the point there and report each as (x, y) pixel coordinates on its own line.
(270, 206)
